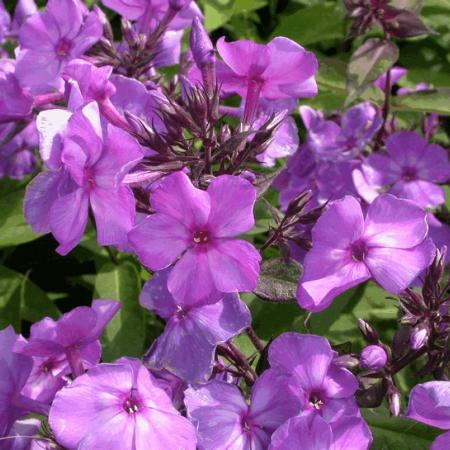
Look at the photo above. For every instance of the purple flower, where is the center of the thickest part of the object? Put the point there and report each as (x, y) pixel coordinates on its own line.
(14, 371)
(373, 357)
(16, 156)
(349, 249)
(397, 73)
(118, 406)
(440, 234)
(23, 10)
(430, 403)
(278, 70)
(198, 228)
(411, 169)
(224, 419)
(331, 142)
(193, 330)
(15, 102)
(50, 39)
(87, 166)
(323, 388)
(312, 432)
(73, 339)
(149, 13)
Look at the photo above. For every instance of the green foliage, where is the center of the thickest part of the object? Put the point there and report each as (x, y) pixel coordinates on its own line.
(397, 433)
(124, 335)
(14, 229)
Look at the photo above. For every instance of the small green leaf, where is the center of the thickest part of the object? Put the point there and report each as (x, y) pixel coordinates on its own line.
(124, 336)
(278, 281)
(14, 229)
(218, 12)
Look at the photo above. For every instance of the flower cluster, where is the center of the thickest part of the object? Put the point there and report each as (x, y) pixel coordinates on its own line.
(169, 171)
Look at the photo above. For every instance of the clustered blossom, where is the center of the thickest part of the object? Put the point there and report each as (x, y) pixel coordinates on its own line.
(165, 169)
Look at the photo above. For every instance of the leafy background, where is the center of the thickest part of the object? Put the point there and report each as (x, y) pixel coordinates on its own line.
(36, 282)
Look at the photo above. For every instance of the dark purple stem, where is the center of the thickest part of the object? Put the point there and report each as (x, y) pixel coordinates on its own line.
(255, 339)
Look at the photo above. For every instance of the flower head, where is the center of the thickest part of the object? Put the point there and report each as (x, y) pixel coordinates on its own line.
(118, 406)
(198, 227)
(193, 330)
(349, 249)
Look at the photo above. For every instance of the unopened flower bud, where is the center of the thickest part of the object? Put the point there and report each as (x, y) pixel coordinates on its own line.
(370, 335)
(201, 46)
(394, 400)
(373, 357)
(346, 361)
(419, 337)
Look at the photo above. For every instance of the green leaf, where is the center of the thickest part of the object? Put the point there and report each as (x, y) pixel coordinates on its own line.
(218, 12)
(278, 281)
(367, 63)
(398, 433)
(429, 101)
(124, 336)
(312, 24)
(14, 229)
(20, 299)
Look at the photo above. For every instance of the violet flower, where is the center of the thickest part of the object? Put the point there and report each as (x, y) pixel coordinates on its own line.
(429, 403)
(17, 156)
(118, 406)
(281, 69)
(312, 432)
(87, 167)
(74, 338)
(323, 388)
(224, 419)
(373, 357)
(50, 39)
(349, 249)
(331, 142)
(14, 372)
(198, 227)
(4, 21)
(15, 102)
(193, 330)
(411, 169)
(149, 13)
(397, 73)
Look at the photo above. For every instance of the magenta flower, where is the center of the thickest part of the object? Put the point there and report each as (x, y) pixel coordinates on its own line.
(149, 13)
(73, 339)
(349, 249)
(411, 169)
(87, 168)
(322, 387)
(430, 403)
(224, 419)
(278, 70)
(14, 372)
(193, 330)
(17, 156)
(331, 142)
(119, 406)
(15, 102)
(50, 39)
(198, 228)
(312, 432)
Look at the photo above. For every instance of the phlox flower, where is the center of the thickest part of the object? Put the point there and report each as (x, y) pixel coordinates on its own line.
(390, 245)
(430, 403)
(412, 169)
(50, 39)
(119, 406)
(224, 419)
(195, 229)
(193, 330)
(86, 167)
